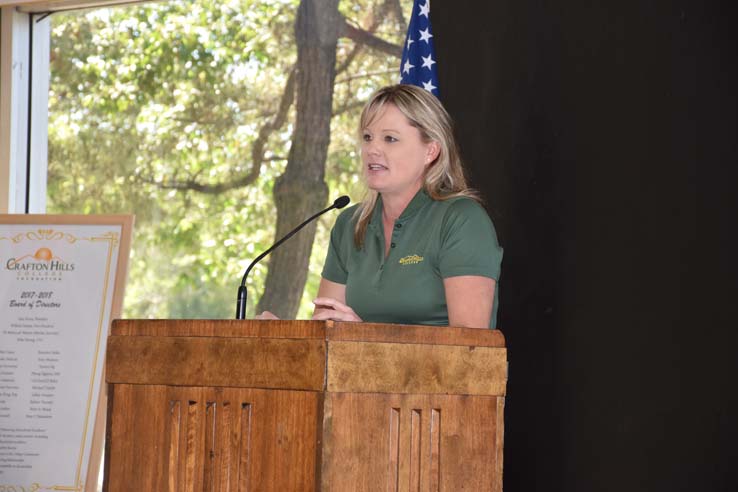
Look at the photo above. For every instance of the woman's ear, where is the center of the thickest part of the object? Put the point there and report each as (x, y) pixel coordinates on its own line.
(432, 151)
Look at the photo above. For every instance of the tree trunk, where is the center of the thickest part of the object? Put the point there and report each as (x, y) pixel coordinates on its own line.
(301, 190)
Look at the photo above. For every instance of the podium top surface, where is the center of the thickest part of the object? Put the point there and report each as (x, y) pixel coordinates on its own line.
(307, 329)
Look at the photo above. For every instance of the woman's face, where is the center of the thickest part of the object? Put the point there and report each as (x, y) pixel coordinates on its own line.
(394, 155)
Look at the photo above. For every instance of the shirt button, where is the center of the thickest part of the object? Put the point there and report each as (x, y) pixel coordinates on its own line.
(397, 226)
(392, 245)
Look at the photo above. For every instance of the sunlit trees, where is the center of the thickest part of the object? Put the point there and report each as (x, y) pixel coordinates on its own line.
(192, 115)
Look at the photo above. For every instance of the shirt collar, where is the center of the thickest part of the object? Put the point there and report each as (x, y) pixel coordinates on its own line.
(420, 199)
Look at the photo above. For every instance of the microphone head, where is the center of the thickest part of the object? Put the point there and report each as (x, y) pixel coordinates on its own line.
(341, 201)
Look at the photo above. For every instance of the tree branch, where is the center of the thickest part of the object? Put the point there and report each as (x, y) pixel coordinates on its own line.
(258, 149)
(377, 20)
(364, 75)
(347, 107)
(358, 35)
(349, 58)
(394, 5)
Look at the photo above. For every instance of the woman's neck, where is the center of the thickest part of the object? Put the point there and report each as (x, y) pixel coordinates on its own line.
(394, 205)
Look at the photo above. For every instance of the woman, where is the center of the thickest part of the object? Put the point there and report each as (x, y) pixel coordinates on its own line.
(419, 249)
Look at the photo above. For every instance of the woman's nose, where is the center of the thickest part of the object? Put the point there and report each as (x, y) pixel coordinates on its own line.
(372, 148)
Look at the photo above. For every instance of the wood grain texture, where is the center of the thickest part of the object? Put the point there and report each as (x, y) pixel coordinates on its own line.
(499, 442)
(138, 432)
(221, 440)
(329, 330)
(446, 443)
(216, 361)
(434, 469)
(372, 367)
(219, 328)
(433, 335)
(251, 405)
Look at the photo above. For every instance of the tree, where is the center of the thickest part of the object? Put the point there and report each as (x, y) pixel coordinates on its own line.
(317, 29)
(155, 112)
(301, 189)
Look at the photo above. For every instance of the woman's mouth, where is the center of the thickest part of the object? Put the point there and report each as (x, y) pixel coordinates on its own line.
(376, 167)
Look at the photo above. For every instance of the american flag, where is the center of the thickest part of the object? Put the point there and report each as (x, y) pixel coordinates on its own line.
(418, 56)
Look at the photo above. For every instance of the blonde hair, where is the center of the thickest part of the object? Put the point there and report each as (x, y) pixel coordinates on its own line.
(444, 177)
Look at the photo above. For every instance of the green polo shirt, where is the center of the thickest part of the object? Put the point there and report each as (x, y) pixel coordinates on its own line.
(431, 240)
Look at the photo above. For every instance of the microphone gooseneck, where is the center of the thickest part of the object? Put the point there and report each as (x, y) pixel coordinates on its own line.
(339, 202)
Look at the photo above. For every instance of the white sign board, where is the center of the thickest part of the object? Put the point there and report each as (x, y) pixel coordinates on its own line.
(61, 282)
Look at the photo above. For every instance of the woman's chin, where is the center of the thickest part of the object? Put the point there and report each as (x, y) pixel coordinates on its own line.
(375, 183)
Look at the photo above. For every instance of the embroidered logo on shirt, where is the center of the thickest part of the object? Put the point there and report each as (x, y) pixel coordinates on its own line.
(411, 260)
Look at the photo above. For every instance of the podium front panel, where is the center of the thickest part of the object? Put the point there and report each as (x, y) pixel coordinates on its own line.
(401, 443)
(166, 438)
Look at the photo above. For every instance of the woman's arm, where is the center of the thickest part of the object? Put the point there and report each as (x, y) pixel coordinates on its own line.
(332, 290)
(469, 300)
(331, 303)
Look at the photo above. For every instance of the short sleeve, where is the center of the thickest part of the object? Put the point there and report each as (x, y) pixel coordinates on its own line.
(469, 243)
(335, 268)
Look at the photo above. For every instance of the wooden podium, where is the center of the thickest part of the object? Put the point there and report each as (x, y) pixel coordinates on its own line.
(200, 405)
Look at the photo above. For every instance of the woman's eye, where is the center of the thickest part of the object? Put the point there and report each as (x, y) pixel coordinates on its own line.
(390, 138)
(366, 137)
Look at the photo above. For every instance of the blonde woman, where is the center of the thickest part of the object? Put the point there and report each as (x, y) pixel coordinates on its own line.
(419, 249)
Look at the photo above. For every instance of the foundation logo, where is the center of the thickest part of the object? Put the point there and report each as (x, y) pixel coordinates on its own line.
(411, 260)
(42, 262)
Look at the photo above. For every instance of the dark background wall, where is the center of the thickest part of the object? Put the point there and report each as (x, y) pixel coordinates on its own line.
(603, 135)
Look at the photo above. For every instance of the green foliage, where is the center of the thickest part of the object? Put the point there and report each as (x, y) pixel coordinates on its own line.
(156, 94)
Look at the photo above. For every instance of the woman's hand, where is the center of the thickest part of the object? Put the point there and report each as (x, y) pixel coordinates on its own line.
(331, 303)
(328, 308)
(266, 315)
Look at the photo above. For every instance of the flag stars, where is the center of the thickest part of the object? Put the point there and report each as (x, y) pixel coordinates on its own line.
(425, 35)
(428, 61)
(424, 9)
(429, 86)
(407, 66)
(418, 56)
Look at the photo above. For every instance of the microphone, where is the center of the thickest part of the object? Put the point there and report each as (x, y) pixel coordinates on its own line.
(340, 202)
